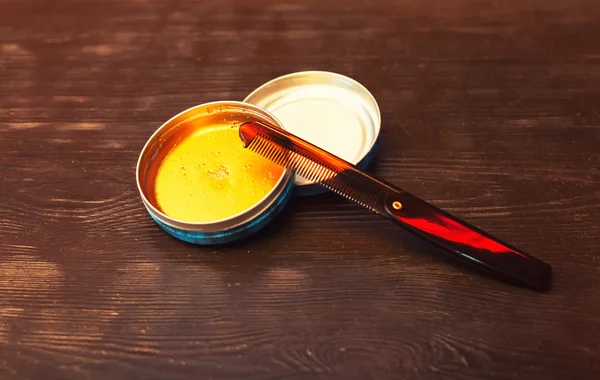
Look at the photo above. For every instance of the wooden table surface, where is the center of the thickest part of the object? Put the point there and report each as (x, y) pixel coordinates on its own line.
(490, 109)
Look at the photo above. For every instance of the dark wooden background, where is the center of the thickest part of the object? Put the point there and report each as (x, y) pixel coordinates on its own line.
(490, 110)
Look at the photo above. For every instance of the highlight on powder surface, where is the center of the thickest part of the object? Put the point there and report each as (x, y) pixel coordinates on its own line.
(208, 176)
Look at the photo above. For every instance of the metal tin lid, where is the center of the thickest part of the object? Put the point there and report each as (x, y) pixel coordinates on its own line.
(329, 110)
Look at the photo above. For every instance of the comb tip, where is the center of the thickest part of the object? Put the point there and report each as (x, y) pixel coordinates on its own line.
(247, 133)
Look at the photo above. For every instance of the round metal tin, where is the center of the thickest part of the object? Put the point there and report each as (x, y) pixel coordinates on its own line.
(220, 231)
(327, 109)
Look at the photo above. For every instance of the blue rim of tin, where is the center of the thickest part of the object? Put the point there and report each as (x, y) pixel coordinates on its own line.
(236, 233)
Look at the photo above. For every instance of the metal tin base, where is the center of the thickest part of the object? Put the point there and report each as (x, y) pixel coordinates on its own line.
(228, 229)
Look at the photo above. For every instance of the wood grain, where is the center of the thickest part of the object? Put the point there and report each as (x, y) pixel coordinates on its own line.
(490, 109)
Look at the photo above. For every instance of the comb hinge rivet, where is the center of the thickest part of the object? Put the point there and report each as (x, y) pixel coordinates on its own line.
(396, 205)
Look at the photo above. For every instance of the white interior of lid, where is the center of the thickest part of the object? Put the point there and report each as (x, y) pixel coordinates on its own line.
(333, 118)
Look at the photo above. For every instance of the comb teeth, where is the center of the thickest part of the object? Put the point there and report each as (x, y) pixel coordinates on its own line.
(337, 180)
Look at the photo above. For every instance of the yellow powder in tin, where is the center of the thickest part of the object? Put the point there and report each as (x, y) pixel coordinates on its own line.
(209, 175)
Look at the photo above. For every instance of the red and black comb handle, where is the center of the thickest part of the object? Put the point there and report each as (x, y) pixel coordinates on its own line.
(467, 242)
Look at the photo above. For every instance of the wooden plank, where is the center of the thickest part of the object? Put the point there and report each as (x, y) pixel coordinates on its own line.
(490, 110)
